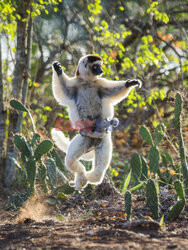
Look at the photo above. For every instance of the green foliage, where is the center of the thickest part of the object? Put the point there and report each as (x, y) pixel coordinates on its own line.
(152, 198)
(42, 172)
(176, 210)
(159, 133)
(179, 189)
(43, 148)
(154, 157)
(146, 136)
(18, 105)
(177, 117)
(126, 183)
(144, 175)
(177, 111)
(31, 173)
(136, 166)
(35, 154)
(128, 204)
(140, 170)
(23, 146)
(51, 170)
(135, 188)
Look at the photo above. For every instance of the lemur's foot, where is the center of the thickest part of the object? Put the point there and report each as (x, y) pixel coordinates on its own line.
(57, 67)
(94, 177)
(131, 83)
(79, 183)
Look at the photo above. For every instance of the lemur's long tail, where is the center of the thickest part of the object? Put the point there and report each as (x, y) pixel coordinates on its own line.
(62, 142)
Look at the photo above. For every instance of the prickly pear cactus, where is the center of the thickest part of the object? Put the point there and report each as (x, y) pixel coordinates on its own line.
(136, 166)
(177, 116)
(154, 158)
(179, 189)
(51, 171)
(176, 210)
(31, 174)
(146, 135)
(177, 110)
(152, 198)
(43, 148)
(42, 172)
(159, 133)
(144, 175)
(22, 144)
(128, 204)
(18, 105)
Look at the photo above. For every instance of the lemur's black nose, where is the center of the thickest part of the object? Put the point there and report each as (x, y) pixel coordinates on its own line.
(100, 71)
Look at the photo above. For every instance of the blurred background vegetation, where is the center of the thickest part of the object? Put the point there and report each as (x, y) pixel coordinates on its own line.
(136, 38)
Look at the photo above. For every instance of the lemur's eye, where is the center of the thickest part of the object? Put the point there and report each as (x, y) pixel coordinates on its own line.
(95, 67)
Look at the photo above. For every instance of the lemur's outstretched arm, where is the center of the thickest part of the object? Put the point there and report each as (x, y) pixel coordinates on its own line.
(116, 91)
(63, 87)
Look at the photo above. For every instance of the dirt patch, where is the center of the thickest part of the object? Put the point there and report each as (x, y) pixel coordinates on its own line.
(89, 222)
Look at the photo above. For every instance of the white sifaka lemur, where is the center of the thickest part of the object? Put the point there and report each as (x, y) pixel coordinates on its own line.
(88, 98)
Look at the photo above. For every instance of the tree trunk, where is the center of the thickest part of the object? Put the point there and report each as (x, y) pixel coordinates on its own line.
(17, 85)
(27, 70)
(2, 115)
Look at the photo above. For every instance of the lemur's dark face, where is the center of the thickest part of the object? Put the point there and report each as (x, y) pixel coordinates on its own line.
(96, 69)
(90, 65)
(95, 64)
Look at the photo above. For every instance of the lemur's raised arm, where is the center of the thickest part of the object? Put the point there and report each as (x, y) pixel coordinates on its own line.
(64, 88)
(116, 91)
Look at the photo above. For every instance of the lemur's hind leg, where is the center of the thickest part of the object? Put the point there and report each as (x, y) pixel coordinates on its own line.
(78, 146)
(103, 154)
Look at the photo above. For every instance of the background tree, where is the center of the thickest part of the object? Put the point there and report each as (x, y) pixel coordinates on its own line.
(145, 39)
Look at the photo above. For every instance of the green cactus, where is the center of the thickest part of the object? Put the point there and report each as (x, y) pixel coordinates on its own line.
(177, 110)
(42, 172)
(35, 139)
(176, 210)
(159, 133)
(146, 136)
(177, 123)
(22, 144)
(179, 189)
(152, 198)
(136, 166)
(51, 171)
(144, 175)
(18, 106)
(43, 148)
(154, 158)
(128, 204)
(58, 160)
(31, 174)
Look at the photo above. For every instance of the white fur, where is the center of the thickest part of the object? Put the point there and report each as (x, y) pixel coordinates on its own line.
(78, 148)
(62, 142)
(102, 160)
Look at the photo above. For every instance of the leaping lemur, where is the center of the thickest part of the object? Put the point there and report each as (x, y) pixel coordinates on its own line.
(89, 97)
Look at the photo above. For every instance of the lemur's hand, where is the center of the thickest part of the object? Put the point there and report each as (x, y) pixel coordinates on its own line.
(133, 83)
(57, 67)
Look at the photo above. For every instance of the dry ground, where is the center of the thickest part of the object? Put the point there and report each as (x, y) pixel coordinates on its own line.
(97, 222)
